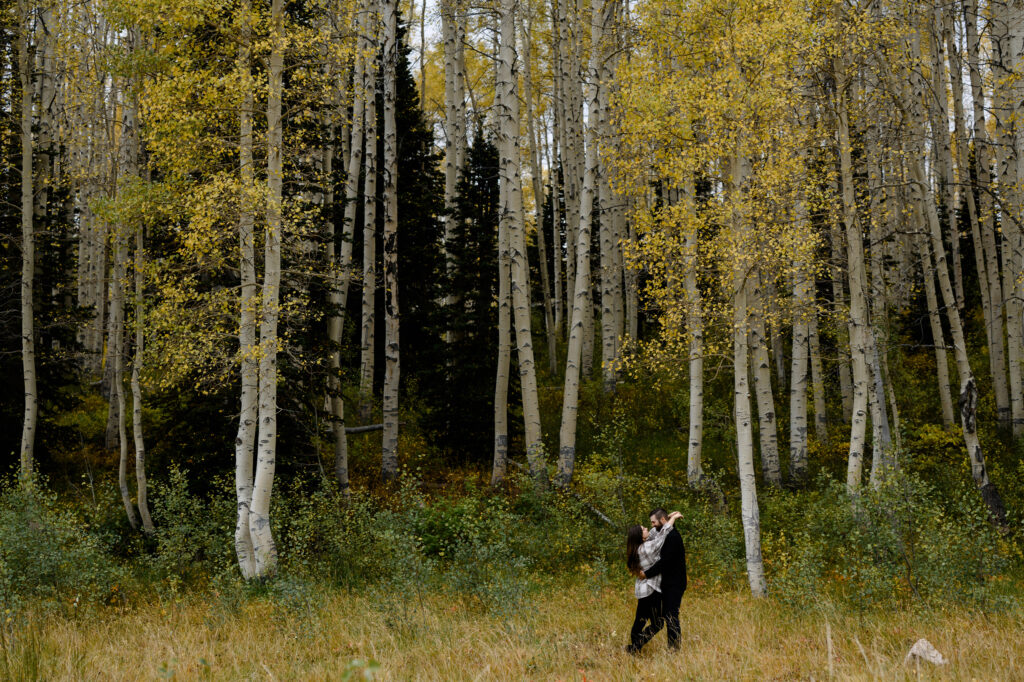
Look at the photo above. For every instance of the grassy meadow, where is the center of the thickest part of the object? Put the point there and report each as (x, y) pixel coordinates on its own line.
(567, 632)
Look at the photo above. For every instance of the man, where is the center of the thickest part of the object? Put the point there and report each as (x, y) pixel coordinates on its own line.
(672, 569)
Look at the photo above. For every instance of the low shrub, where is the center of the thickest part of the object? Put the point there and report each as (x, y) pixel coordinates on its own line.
(49, 555)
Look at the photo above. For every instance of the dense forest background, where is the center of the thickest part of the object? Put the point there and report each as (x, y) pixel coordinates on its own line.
(439, 299)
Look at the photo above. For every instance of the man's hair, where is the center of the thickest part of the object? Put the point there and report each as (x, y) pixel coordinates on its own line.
(659, 513)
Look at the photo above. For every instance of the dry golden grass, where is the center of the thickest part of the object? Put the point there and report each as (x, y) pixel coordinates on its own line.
(567, 634)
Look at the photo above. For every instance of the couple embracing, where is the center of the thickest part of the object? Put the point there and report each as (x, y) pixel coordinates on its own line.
(657, 558)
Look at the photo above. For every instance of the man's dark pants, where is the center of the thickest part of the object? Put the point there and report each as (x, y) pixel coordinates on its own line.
(648, 621)
(670, 602)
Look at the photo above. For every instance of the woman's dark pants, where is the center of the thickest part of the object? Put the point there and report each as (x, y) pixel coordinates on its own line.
(647, 623)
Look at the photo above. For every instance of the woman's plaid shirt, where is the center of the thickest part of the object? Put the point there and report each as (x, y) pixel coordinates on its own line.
(649, 552)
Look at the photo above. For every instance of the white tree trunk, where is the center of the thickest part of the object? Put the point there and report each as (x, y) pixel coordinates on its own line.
(769, 440)
(389, 448)
(248, 304)
(581, 289)
(115, 343)
(28, 258)
(538, 193)
(1007, 31)
(964, 182)
(340, 260)
(859, 325)
(817, 376)
(140, 445)
(983, 154)
(455, 115)
(798, 379)
(367, 335)
(266, 460)
(556, 233)
(941, 361)
(695, 331)
(841, 313)
(512, 215)
(939, 110)
(923, 196)
(499, 467)
(741, 389)
(127, 169)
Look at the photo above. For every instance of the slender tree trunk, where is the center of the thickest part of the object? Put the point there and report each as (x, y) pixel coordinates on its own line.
(964, 182)
(389, 460)
(944, 153)
(264, 548)
(454, 99)
(1006, 27)
(941, 361)
(140, 446)
(799, 375)
(538, 194)
(582, 301)
(842, 332)
(610, 269)
(28, 257)
(248, 305)
(695, 330)
(769, 440)
(367, 336)
(115, 344)
(983, 155)
(859, 325)
(922, 195)
(500, 465)
(512, 215)
(556, 235)
(817, 377)
(741, 389)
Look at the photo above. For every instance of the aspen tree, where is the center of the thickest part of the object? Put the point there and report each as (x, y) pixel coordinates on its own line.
(939, 111)
(964, 178)
(28, 258)
(504, 304)
(841, 311)
(342, 263)
(389, 461)
(136, 382)
(913, 95)
(127, 169)
(817, 378)
(1006, 26)
(264, 549)
(512, 215)
(741, 273)
(986, 211)
(941, 360)
(556, 231)
(758, 347)
(859, 325)
(695, 331)
(372, 168)
(452, 33)
(248, 305)
(799, 374)
(538, 192)
(581, 289)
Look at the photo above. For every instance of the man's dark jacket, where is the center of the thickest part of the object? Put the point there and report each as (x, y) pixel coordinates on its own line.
(672, 565)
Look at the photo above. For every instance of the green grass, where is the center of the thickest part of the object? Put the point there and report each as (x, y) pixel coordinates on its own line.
(567, 631)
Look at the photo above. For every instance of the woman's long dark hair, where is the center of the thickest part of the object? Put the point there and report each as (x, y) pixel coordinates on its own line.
(634, 538)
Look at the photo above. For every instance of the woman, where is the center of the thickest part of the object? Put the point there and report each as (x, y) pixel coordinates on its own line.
(643, 547)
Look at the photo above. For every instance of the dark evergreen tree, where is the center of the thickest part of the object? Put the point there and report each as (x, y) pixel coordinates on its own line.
(462, 387)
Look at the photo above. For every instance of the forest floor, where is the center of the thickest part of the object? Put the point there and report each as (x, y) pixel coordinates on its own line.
(568, 631)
